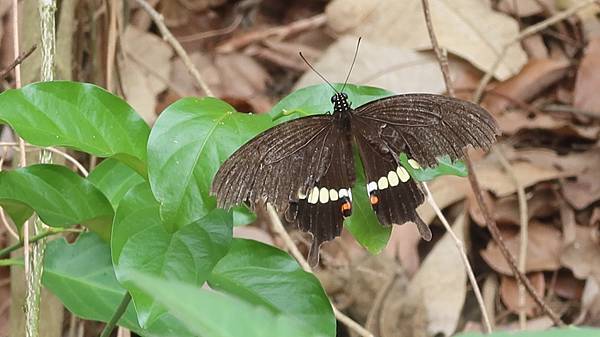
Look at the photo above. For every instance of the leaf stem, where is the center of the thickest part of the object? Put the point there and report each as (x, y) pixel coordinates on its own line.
(51, 231)
(116, 315)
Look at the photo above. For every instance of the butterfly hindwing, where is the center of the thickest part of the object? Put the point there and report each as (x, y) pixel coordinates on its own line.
(428, 126)
(393, 194)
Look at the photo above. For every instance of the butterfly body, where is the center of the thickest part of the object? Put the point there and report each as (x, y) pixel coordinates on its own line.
(305, 167)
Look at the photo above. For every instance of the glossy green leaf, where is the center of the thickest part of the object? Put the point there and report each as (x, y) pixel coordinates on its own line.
(188, 143)
(264, 275)
(208, 313)
(77, 115)
(141, 244)
(82, 277)
(565, 332)
(445, 167)
(316, 99)
(60, 197)
(114, 179)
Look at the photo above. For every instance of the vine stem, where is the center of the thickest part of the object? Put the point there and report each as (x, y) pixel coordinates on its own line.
(278, 228)
(36, 238)
(110, 326)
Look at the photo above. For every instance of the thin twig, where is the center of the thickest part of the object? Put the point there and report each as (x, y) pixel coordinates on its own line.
(18, 60)
(49, 232)
(523, 218)
(5, 222)
(293, 249)
(523, 34)
(112, 42)
(168, 36)
(212, 33)
(491, 224)
(67, 156)
(461, 249)
(109, 327)
(280, 32)
(443, 60)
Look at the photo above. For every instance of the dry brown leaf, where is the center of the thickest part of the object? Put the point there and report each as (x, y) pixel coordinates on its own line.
(567, 286)
(144, 73)
(590, 301)
(543, 249)
(509, 292)
(514, 121)
(520, 8)
(467, 28)
(403, 245)
(573, 163)
(588, 79)
(493, 178)
(582, 256)
(446, 190)
(536, 75)
(378, 65)
(253, 233)
(583, 191)
(442, 282)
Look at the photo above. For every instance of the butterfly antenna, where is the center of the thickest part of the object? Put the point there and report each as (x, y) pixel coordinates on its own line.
(352, 65)
(316, 72)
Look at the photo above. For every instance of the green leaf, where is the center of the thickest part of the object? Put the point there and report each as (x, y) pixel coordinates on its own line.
(316, 99)
(142, 244)
(446, 167)
(570, 332)
(82, 276)
(60, 197)
(264, 275)
(208, 313)
(243, 216)
(77, 115)
(188, 143)
(114, 179)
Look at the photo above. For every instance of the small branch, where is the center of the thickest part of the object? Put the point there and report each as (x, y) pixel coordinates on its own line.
(280, 32)
(67, 156)
(212, 33)
(491, 224)
(524, 219)
(461, 249)
(116, 315)
(293, 249)
(523, 34)
(49, 232)
(168, 36)
(17, 61)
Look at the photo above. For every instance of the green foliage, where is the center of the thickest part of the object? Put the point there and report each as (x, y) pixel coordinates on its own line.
(151, 199)
(81, 116)
(570, 332)
(60, 197)
(264, 275)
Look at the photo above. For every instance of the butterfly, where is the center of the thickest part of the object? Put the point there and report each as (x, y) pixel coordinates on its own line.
(305, 167)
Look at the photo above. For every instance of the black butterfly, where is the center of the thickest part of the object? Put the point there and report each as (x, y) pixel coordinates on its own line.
(305, 167)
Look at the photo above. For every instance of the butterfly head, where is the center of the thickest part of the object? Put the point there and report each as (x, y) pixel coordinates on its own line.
(340, 102)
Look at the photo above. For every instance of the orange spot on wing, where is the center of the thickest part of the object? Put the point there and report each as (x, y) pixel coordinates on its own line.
(346, 206)
(374, 199)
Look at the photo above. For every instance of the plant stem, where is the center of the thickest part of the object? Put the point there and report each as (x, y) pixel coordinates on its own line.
(52, 231)
(116, 315)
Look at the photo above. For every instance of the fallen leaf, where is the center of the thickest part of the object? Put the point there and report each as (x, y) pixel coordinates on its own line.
(446, 190)
(536, 76)
(543, 249)
(583, 255)
(514, 121)
(253, 233)
(588, 79)
(467, 28)
(380, 65)
(521, 8)
(535, 47)
(403, 244)
(590, 302)
(493, 178)
(567, 286)
(583, 191)
(144, 74)
(573, 163)
(509, 293)
(442, 282)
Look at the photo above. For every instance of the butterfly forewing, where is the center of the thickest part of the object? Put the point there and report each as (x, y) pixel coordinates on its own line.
(429, 126)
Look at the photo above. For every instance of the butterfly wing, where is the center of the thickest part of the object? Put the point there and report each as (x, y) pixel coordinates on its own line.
(291, 166)
(393, 194)
(428, 126)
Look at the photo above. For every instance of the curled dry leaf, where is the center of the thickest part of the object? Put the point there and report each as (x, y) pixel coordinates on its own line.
(253, 233)
(442, 282)
(536, 76)
(520, 8)
(573, 163)
(380, 65)
(543, 249)
(567, 286)
(144, 74)
(514, 121)
(509, 293)
(582, 256)
(588, 79)
(467, 28)
(584, 190)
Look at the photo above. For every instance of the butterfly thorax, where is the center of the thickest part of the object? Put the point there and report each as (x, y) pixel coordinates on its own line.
(342, 108)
